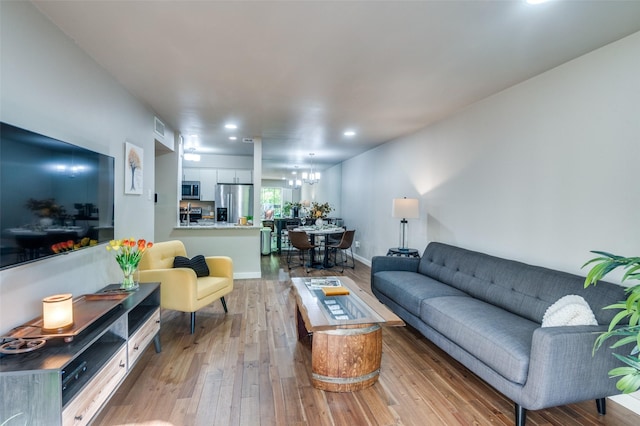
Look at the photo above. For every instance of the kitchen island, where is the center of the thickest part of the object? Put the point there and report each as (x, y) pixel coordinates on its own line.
(240, 242)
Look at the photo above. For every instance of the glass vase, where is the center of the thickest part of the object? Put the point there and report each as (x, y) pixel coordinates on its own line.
(128, 281)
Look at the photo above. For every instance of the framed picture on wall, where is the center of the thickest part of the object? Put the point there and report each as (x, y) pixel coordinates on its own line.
(133, 163)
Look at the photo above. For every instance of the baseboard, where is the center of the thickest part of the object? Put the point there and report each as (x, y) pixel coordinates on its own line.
(362, 259)
(629, 401)
(246, 275)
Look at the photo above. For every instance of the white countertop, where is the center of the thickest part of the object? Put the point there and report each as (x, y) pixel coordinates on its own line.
(217, 226)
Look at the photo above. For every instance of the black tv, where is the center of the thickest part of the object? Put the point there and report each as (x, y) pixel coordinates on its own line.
(55, 197)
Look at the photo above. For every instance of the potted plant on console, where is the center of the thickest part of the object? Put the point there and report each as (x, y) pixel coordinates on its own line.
(291, 209)
(627, 333)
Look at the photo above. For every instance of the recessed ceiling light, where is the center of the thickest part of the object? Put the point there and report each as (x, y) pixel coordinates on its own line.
(349, 133)
(230, 126)
(232, 138)
(536, 1)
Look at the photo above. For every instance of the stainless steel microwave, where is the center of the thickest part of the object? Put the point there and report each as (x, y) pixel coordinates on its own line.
(190, 190)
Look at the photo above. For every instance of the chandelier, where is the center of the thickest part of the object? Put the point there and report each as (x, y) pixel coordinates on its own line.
(311, 177)
(294, 182)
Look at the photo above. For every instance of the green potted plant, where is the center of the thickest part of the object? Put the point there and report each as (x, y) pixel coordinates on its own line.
(291, 209)
(626, 334)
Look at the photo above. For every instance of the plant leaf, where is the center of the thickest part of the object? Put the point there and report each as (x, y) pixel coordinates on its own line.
(631, 361)
(629, 383)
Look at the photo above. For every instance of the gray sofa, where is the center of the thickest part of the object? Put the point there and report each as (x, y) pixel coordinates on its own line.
(486, 312)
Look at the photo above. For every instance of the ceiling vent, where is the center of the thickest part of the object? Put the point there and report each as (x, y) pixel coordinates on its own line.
(159, 127)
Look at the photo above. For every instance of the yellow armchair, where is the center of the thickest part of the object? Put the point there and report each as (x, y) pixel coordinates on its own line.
(180, 288)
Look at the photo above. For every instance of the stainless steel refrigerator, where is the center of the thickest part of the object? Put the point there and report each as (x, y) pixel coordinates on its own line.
(237, 199)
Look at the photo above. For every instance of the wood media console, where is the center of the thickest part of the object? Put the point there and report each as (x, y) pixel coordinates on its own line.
(69, 379)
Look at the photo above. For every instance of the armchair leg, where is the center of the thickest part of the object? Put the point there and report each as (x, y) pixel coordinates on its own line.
(601, 404)
(224, 304)
(521, 415)
(193, 322)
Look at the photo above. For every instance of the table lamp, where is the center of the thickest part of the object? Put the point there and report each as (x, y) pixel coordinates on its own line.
(405, 208)
(57, 313)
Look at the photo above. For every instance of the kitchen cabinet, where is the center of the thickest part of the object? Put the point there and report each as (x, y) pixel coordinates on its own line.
(208, 180)
(69, 382)
(209, 177)
(244, 176)
(191, 173)
(235, 176)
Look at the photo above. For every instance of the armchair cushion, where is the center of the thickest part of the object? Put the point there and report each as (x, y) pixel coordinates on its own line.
(197, 263)
(211, 285)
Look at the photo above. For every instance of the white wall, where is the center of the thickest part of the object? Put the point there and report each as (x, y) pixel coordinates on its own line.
(168, 165)
(542, 172)
(52, 87)
(328, 190)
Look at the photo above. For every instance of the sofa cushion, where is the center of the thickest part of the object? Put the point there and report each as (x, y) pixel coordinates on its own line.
(523, 289)
(498, 338)
(197, 263)
(408, 289)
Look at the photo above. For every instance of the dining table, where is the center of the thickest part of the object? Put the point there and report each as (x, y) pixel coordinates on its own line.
(315, 231)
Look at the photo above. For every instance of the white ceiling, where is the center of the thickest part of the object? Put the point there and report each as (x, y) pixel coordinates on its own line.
(300, 73)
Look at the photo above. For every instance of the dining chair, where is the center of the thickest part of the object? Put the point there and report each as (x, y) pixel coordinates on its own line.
(300, 241)
(285, 236)
(345, 245)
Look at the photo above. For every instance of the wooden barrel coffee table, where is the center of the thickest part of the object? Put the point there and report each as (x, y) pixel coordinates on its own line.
(346, 348)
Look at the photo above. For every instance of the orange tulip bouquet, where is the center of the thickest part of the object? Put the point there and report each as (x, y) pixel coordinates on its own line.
(128, 253)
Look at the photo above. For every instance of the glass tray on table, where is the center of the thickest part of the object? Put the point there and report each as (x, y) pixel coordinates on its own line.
(340, 309)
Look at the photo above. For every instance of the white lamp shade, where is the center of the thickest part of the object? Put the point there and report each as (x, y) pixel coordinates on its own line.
(406, 208)
(57, 312)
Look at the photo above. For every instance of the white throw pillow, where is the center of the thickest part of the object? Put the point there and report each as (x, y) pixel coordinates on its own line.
(569, 310)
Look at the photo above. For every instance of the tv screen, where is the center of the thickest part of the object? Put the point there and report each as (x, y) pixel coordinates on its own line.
(54, 196)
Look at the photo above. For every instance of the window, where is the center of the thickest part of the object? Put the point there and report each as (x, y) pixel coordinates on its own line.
(271, 201)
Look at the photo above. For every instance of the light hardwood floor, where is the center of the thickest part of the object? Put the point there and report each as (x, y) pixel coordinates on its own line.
(247, 368)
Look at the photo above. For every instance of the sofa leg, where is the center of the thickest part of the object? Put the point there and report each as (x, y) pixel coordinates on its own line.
(521, 415)
(193, 322)
(601, 404)
(224, 304)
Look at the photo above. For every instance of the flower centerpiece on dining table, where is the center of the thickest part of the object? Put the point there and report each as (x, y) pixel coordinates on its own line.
(128, 253)
(319, 212)
(47, 210)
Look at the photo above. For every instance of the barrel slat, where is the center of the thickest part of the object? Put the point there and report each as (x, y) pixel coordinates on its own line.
(346, 359)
